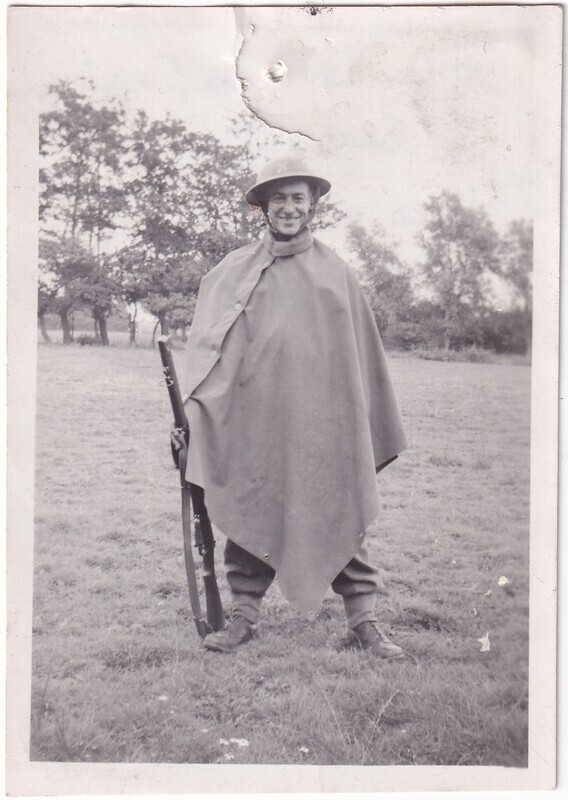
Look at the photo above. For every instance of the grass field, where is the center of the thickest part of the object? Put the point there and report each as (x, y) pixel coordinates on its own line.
(118, 671)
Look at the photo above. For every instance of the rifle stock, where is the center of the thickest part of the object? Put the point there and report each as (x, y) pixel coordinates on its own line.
(192, 495)
(205, 543)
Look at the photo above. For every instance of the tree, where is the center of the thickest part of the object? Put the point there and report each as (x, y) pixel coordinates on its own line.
(65, 267)
(384, 279)
(516, 252)
(461, 248)
(82, 197)
(82, 145)
(72, 279)
(161, 265)
(220, 177)
(130, 285)
(96, 290)
(45, 303)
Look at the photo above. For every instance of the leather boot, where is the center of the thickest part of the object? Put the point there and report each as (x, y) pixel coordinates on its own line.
(368, 636)
(238, 631)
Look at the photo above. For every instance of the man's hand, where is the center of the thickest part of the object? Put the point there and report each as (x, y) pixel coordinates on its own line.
(177, 441)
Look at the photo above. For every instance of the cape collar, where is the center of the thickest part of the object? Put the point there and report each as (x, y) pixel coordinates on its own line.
(297, 244)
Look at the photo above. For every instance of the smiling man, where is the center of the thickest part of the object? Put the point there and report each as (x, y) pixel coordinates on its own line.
(291, 414)
(288, 207)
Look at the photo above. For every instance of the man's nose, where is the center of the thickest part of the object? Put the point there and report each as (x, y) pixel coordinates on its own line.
(289, 205)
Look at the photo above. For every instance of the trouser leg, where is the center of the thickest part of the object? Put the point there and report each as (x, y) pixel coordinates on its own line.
(358, 583)
(248, 578)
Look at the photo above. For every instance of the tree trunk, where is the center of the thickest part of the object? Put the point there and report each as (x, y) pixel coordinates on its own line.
(97, 331)
(43, 329)
(132, 311)
(65, 327)
(154, 333)
(447, 328)
(184, 333)
(103, 329)
(164, 324)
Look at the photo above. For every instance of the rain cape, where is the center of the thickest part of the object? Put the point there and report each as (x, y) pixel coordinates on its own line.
(290, 409)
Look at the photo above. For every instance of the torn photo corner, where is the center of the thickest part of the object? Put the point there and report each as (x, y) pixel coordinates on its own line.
(134, 135)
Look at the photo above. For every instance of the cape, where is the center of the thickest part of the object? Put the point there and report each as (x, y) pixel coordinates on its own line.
(291, 409)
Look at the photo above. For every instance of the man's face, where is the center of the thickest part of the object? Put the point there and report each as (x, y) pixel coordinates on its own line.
(289, 203)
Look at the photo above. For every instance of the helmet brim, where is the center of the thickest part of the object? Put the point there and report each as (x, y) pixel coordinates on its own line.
(255, 193)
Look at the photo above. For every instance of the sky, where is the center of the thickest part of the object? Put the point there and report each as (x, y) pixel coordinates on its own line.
(396, 104)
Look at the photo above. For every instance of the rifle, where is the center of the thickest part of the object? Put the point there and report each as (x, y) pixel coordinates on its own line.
(192, 495)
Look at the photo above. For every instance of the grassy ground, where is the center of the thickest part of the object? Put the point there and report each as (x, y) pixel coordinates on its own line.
(119, 674)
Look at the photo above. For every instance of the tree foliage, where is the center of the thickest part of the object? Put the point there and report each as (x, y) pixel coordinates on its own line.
(461, 246)
(385, 281)
(82, 145)
(516, 251)
(65, 267)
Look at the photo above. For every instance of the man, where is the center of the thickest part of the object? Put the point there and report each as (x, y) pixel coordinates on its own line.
(291, 413)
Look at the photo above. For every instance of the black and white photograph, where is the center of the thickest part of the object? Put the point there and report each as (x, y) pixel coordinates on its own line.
(283, 373)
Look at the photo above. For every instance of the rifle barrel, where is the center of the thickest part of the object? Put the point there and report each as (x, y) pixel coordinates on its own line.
(180, 418)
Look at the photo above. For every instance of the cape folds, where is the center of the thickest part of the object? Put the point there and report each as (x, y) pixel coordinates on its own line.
(290, 409)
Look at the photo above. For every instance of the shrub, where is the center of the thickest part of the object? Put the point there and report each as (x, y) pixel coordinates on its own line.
(86, 339)
(474, 355)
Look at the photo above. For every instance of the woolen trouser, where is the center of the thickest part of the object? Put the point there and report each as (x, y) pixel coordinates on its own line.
(250, 578)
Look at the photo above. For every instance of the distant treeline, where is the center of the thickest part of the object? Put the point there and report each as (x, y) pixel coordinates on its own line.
(134, 211)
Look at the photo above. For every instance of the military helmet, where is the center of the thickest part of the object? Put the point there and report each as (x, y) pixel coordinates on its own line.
(284, 167)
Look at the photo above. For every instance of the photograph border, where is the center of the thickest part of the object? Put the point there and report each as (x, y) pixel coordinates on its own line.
(37, 778)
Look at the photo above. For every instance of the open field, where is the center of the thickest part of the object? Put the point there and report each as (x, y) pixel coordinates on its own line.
(119, 674)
